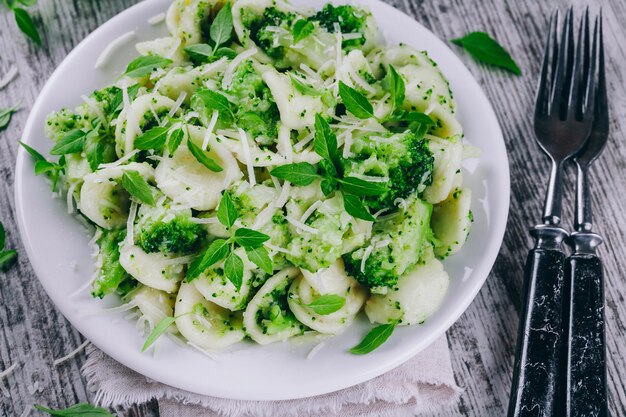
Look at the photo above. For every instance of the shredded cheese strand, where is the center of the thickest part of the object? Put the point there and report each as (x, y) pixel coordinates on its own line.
(209, 129)
(8, 77)
(247, 156)
(156, 19)
(302, 226)
(70, 355)
(230, 69)
(106, 53)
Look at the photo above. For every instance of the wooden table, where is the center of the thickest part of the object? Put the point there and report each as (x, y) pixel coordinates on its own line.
(482, 342)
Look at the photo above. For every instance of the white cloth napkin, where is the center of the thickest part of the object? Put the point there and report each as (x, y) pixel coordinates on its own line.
(419, 386)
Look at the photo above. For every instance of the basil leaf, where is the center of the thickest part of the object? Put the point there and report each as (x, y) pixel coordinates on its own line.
(249, 238)
(117, 104)
(301, 29)
(206, 101)
(260, 258)
(328, 185)
(222, 26)
(7, 259)
(144, 65)
(325, 142)
(355, 208)
(397, 87)
(36, 155)
(362, 188)
(355, 102)
(327, 304)
(226, 212)
(300, 173)
(303, 88)
(5, 117)
(199, 154)
(176, 138)
(376, 337)
(217, 251)
(224, 51)
(72, 142)
(404, 116)
(99, 151)
(486, 49)
(154, 138)
(27, 3)
(233, 269)
(26, 24)
(137, 186)
(43, 166)
(199, 53)
(78, 410)
(3, 236)
(158, 330)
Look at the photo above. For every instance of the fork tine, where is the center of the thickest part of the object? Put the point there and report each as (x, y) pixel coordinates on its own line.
(563, 71)
(543, 87)
(580, 72)
(601, 106)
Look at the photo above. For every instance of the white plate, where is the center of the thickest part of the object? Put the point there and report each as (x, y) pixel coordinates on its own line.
(54, 240)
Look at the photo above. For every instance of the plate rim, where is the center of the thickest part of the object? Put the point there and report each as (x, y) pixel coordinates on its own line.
(328, 386)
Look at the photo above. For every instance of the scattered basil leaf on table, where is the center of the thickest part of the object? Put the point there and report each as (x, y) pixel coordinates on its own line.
(26, 25)
(78, 410)
(137, 186)
(7, 258)
(376, 337)
(5, 116)
(327, 304)
(486, 49)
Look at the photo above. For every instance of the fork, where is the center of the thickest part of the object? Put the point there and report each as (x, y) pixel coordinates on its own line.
(562, 122)
(585, 367)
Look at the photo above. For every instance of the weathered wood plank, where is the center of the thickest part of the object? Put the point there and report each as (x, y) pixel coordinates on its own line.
(482, 342)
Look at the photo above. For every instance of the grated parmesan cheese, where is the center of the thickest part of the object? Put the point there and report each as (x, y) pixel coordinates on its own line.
(310, 211)
(156, 19)
(175, 45)
(305, 141)
(284, 195)
(130, 224)
(132, 126)
(210, 67)
(209, 130)
(284, 143)
(111, 47)
(7, 372)
(120, 161)
(400, 202)
(70, 198)
(368, 252)
(113, 310)
(178, 103)
(206, 220)
(277, 248)
(315, 349)
(93, 105)
(230, 69)
(247, 156)
(70, 355)
(8, 77)
(301, 226)
(369, 178)
(27, 411)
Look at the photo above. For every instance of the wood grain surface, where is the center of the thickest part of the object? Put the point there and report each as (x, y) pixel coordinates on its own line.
(33, 333)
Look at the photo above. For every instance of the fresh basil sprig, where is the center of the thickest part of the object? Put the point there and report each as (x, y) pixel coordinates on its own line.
(78, 410)
(376, 337)
(486, 49)
(251, 240)
(5, 116)
(205, 101)
(154, 138)
(7, 256)
(301, 29)
(52, 170)
(355, 102)
(327, 304)
(144, 65)
(72, 142)
(220, 33)
(300, 173)
(138, 187)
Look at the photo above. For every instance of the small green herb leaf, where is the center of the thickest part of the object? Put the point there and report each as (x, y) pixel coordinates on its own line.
(226, 212)
(355, 207)
(328, 186)
(249, 238)
(43, 166)
(72, 142)
(26, 24)
(303, 88)
(158, 330)
(144, 65)
(224, 51)
(3, 236)
(397, 87)
(222, 26)
(7, 258)
(361, 187)
(376, 337)
(117, 104)
(301, 29)
(154, 138)
(202, 157)
(355, 102)
(233, 269)
(404, 116)
(217, 251)
(486, 49)
(300, 173)
(325, 142)
(327, 304)
(206, 101)
(176, 138)
(5, 117)
(199, 53)
(260, 258)
(78, 410)
(137, 186)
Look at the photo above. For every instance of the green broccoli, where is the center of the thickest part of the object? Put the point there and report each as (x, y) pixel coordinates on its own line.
(257, 112)
(402, 157)
(264, 38)
(397, 244)
(274, 316)
(349, 18)
(158, 230)
(111, 276)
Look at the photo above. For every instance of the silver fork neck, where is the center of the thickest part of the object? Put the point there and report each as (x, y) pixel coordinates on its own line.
(583, 215)
(554, 194)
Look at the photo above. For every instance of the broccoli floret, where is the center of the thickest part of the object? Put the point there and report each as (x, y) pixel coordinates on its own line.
(265, 38)
(257, 112)
(397, 244)
(275, 316)
(405, 159)
(349, 18)
(111, 276)
(161, 230)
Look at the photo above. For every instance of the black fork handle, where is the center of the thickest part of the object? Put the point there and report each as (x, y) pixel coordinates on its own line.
(538, 357)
